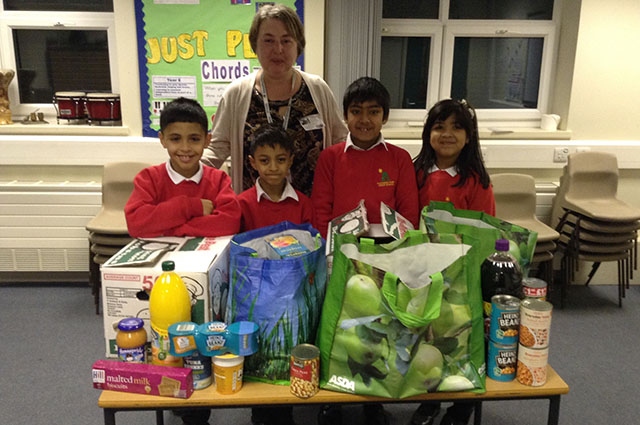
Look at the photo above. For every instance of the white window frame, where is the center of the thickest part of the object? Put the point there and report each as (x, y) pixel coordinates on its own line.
(526, 117)
(38, 20)
(418, 28)
(443, 33)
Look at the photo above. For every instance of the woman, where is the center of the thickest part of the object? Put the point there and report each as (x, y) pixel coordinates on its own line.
(277, 93)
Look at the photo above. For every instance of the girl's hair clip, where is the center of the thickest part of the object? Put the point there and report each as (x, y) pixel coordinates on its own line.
(468, 107)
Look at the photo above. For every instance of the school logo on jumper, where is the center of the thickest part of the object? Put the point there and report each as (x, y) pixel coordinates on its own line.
(385, 180)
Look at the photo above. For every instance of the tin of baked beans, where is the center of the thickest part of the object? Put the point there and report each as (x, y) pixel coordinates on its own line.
(535, 323)
(532, 366)
(505, 319)
(532, 287)
(304, 370)
(501, 361)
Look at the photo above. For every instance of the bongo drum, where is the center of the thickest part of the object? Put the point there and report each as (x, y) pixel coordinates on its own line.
(103, 107)
(70, 105)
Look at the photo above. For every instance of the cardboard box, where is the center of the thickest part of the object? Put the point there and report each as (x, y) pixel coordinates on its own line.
(203, 264)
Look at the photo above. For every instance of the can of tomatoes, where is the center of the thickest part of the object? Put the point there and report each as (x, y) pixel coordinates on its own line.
(532, 287)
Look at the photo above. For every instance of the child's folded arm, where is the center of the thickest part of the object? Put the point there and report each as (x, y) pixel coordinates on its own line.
(146, 219)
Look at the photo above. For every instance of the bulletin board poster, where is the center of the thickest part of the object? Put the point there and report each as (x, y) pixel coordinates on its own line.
(193, 49)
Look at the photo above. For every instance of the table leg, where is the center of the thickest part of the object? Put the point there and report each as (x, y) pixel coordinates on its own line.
(477, 413)
(159, 417)
(554, 410)
(109, 416)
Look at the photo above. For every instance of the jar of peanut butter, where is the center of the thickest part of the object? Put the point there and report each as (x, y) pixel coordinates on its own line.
(131, 340)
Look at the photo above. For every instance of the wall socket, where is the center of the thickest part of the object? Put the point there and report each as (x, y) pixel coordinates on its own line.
(560, 154)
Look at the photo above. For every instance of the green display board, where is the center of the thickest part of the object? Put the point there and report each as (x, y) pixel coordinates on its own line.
(193, 48)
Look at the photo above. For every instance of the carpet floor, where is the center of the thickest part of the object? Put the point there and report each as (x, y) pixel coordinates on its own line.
(51, 336)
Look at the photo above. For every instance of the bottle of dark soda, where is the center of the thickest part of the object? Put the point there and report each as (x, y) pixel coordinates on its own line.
(500, 273)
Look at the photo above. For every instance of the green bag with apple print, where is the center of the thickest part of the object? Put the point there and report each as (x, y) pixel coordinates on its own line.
(485, 229)
(402, 319)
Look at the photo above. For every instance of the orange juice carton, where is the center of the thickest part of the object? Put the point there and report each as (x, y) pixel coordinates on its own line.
(142, 378)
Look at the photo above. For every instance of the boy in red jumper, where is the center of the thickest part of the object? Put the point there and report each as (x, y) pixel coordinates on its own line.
(182, 197)
(365, 166)
(272, 199)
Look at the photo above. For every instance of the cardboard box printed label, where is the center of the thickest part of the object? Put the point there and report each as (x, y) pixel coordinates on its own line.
(202, 263)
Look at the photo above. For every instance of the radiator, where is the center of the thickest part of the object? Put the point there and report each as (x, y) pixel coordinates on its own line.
(545, 192)
(42, 225)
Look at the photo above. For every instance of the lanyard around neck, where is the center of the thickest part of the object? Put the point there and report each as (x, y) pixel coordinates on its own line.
(265, 101)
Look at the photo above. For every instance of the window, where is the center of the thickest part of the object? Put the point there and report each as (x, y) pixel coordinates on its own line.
(70, 49)
(497, 54)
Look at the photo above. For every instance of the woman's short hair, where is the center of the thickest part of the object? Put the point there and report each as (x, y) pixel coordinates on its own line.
(284, 14)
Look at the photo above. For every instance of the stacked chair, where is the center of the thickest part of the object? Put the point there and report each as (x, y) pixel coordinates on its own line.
(515, 196)
(594, 225)
(108, 229)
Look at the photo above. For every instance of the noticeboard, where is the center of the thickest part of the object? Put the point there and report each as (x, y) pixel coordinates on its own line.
(194, 49)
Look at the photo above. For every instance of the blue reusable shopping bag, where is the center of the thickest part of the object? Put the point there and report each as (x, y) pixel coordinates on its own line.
(283, 295)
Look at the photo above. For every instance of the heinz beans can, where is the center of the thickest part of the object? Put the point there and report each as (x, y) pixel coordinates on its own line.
(304, 370)
(505, 319)
(501, 361)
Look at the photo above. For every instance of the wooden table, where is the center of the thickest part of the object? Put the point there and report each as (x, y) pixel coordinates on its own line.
(259, 394)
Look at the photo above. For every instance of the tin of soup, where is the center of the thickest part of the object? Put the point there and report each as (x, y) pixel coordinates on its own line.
(535, 323)
(505, 319)
(532, 366)
(501, 361)
(304, 370)
(532, 287)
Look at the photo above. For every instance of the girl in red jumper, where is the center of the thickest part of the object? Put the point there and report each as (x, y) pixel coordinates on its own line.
(449, 167)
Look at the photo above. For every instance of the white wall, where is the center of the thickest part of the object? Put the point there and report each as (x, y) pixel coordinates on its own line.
(597, 95)
(605, 93)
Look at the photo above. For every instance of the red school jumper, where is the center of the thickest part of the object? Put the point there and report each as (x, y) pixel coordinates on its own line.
(159, 207)
(471, 196)
(256, 214)
(383, 173)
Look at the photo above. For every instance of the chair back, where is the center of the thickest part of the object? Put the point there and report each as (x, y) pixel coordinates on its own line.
(515, 196)
(592, 175)
(117, 183)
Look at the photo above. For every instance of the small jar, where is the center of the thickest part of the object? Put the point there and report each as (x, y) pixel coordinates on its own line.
(131, 340)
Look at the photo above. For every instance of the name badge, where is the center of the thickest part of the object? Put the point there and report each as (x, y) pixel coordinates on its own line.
(312, 122)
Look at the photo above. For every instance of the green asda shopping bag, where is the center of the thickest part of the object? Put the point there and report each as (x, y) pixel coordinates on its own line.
(485, 229)
(401, 319)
